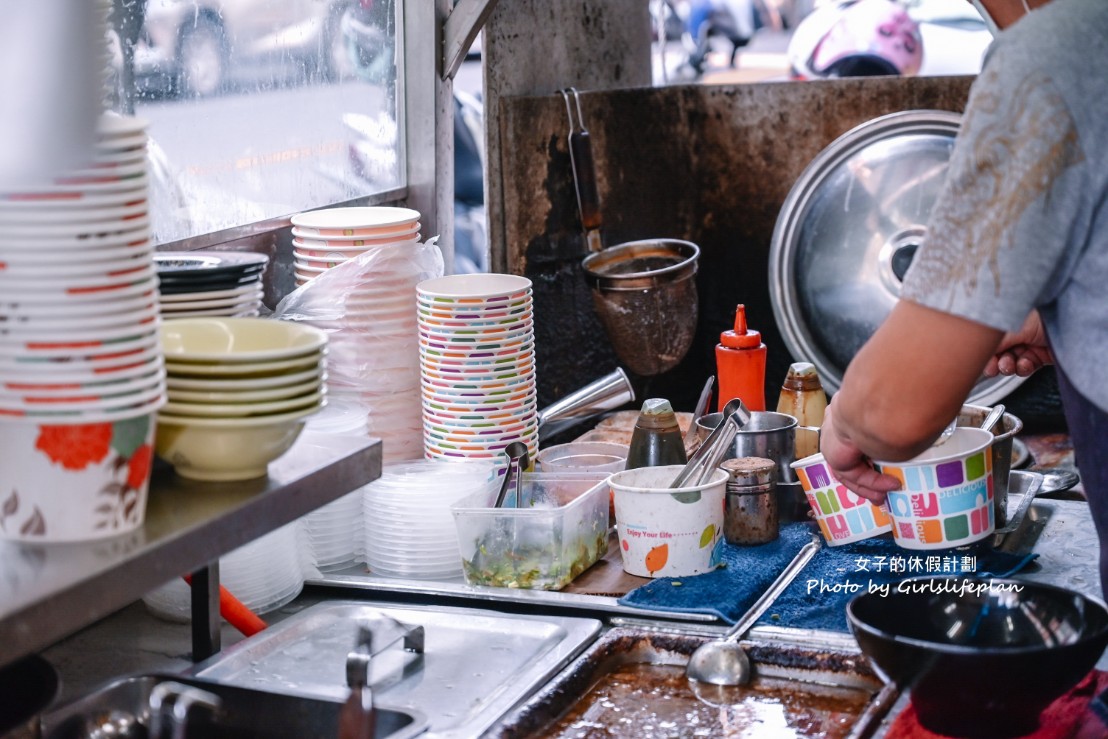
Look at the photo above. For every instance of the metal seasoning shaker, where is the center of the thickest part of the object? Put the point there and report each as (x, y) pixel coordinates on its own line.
(750, 515)
(656, 440)
(803, 398)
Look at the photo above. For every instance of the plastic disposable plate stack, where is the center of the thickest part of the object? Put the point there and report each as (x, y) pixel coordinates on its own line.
(264, 575)
(335, 533)
(409, 527)
(357, 269)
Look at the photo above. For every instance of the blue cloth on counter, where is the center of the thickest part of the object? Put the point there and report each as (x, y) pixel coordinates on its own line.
(817, 598)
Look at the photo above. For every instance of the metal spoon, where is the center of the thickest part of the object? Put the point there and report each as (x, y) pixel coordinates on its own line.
(723, 662)
(517, 456)
(708, 456)
(698, 411)
(946, 433)
(992, 417)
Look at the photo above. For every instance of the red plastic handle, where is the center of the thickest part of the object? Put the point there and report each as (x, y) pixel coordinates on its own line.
(235, 613)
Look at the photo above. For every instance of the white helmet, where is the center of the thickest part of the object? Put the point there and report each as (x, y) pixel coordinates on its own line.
(856, 38)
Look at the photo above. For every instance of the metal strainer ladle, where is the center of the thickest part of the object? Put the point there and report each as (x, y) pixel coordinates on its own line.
(723, 661)
(645, 294)
(644, 291)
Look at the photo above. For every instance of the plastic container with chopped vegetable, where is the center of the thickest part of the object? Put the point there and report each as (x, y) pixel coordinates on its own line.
(559, 529)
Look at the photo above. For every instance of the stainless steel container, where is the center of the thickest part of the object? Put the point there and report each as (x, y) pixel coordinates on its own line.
(645, 295)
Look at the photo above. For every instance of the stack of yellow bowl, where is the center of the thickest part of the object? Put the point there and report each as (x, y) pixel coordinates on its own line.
(240, 391)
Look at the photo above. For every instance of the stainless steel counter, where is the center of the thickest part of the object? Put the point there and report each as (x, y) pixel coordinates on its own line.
(49, 591)
(1059, 531)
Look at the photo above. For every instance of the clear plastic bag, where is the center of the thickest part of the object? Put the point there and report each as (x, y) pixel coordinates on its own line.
(367, 305)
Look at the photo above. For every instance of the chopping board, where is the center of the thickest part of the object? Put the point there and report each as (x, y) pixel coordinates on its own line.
(606, 577)
(619, 426)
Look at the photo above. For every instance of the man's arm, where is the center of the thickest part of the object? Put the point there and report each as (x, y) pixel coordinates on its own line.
(901, 390)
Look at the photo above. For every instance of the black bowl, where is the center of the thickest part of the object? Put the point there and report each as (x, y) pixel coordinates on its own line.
(982, 658)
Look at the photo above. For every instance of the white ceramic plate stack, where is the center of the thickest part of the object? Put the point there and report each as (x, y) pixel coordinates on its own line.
(325, 238)
(240, 392)
(264, 575)
(373, 356)
(409, 527)
(477, 365)
(196, 284)
(81, 372)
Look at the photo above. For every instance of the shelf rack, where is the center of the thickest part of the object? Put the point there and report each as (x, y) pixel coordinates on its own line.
(47, 592)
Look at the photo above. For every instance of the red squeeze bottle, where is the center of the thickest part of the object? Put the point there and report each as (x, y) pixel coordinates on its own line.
(741, 365)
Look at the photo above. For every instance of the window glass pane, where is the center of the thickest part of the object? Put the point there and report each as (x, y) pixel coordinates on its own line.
(260, 108)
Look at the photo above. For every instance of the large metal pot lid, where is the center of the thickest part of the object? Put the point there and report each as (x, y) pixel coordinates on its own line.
(847, 233)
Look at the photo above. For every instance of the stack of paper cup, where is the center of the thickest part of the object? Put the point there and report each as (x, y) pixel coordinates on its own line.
(477, 365)
(81, 371)
(371, 312)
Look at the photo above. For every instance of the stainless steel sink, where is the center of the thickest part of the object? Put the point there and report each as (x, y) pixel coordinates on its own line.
(122, 709)
(475, 664)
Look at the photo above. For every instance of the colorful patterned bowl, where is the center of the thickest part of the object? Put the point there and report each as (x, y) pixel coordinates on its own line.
(946, 499)
(842, 515)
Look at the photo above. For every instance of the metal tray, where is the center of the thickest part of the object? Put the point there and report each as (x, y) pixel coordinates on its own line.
(358, 578)
(794, 668)
(476, 664)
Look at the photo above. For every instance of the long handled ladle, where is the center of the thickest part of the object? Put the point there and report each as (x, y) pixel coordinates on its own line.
(723, 661)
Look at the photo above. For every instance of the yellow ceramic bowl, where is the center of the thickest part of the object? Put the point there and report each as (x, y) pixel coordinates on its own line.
(247, 396)
(177, 407)
(227, 448)
(238, 340)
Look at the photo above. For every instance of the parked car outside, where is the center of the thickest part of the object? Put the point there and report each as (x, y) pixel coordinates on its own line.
(197, 47)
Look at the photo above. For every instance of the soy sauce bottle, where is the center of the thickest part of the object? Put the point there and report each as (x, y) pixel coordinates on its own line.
(803, 398)
(656, 440)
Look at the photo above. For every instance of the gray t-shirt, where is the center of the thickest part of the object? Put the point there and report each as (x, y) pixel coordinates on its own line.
(1023, 220)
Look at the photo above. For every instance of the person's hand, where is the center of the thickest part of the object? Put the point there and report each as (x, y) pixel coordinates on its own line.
(850, 466)
(1022, 352)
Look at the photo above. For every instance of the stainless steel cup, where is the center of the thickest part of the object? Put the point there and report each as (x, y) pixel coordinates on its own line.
(750, 511)
(772, 436)
(1003, 433)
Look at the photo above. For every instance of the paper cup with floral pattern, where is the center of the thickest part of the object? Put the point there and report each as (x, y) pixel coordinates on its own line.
(843, 516)
(668, 532)
(946, 495)
(65, 482)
